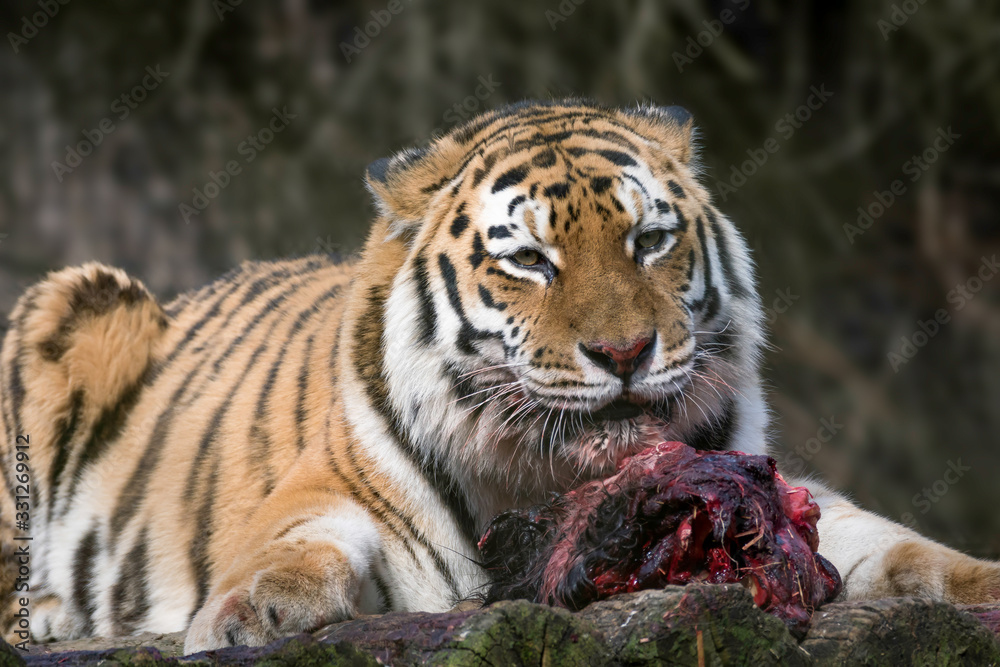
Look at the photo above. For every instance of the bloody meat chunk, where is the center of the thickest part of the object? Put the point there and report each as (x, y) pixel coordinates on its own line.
(670, 515)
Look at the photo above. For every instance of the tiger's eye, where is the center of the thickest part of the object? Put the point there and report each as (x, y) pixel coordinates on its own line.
(650, 239)
(527, 257)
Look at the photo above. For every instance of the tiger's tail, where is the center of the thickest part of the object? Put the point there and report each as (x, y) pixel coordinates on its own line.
(79, 341)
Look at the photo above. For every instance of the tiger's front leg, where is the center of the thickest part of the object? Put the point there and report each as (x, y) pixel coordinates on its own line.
(311, 568)
(879, 558)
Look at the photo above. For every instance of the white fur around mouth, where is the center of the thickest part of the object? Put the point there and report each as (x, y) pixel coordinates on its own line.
(603, 446)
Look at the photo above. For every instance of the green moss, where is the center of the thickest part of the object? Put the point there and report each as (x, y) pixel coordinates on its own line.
(9, 657)
(307, 653)
(522, 633)
(666, 624)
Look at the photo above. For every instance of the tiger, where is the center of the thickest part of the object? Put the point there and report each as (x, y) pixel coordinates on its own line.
(545, 289)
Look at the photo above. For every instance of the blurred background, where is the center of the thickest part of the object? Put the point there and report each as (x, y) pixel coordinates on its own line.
(856, 144)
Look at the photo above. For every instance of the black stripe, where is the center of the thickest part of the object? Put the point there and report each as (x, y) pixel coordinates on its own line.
(510, 178)
(259, 439)
(192, 331)
(498, 232)
(428, 315)
(300, 400)
(682, 223)
(617, 157)
(676, 189)
(7, 451)
(198, 550)
(130, 594)
(487, 299)
(600, 183)
(557, 190)
(460, 223)
(260, 454)
(67, 429)
(513, 204)
(208, 438)
(734, 286)
(270, 308)
(466, 333)
(106, 430)
(301, 521)
(16, 384)
(710, 301)
(383, 591)
(715, 435)
(433, 470)
(690, 271)
(610, 136)
(495, 271)
(135, 489)
(373, 507)
(545, 158)
(478, 251)
(84, 600)
(637, 183)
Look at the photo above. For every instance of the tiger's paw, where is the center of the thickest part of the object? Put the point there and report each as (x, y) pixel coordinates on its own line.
(928, 570)
(307, 589)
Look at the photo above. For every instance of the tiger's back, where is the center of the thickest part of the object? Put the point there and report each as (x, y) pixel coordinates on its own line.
(149, 426)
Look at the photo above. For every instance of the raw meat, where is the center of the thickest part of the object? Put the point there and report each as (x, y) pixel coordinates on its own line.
(670, 515)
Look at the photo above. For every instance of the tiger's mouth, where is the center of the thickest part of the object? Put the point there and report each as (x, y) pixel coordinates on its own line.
(627, 408)
(617, 410)
(598, 440)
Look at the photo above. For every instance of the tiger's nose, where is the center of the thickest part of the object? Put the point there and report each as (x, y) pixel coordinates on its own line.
(622, 361)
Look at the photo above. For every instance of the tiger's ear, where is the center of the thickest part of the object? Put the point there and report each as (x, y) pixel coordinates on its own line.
(404, 184)
(671, 126)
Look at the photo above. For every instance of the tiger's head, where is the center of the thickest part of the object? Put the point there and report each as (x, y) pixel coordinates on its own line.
(560, 291)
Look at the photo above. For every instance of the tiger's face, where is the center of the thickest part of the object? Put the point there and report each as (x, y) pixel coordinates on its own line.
(571, 287)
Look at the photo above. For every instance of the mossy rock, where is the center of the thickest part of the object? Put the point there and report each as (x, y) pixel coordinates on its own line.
(693, 625)
(899, 631)
(521, 633)
(506, 633)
